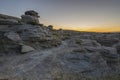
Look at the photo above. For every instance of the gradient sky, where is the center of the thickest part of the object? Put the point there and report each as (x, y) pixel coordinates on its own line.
(84, 15)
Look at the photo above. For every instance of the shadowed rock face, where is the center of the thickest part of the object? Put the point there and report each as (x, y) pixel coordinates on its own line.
(117, 46)
(8, 46)
(118, 49)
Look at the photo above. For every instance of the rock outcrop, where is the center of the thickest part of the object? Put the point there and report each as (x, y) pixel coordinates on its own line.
(34, 36)
(30, 17)
(8, 45)
(9, 20)
(36, 52)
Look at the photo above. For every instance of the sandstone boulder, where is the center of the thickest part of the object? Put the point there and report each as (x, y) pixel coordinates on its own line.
(30, 19)
(13, 36)
(26, 48)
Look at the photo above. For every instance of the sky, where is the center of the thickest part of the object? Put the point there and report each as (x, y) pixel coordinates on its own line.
(80, 15)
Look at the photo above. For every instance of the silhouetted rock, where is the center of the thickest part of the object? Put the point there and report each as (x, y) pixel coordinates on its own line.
(32, 13)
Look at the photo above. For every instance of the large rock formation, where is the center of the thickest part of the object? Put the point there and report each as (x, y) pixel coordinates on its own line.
(54, 54)
(34, 36)
(30, 17)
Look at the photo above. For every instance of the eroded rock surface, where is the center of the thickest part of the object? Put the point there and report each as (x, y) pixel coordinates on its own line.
(57, 54)
(8, 20)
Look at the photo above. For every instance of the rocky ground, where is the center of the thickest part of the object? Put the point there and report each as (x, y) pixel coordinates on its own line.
(36, 52)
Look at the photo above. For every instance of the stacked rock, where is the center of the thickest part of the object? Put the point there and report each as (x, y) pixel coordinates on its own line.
(30, 17)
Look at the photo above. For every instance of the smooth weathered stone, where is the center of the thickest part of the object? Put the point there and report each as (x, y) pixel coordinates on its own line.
(13, 36)
(26, 48)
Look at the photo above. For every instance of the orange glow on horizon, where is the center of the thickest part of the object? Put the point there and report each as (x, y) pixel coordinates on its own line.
(105, 29)
(92, 29)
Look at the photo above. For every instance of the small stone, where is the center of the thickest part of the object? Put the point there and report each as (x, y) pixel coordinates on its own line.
(25, 49)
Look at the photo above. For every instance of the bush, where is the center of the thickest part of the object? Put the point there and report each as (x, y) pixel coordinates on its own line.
(50, 27)
(33, 23)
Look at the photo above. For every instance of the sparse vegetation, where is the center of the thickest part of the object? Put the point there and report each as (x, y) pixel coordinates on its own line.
(50, 27)
(33, 23)
(78, 41)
